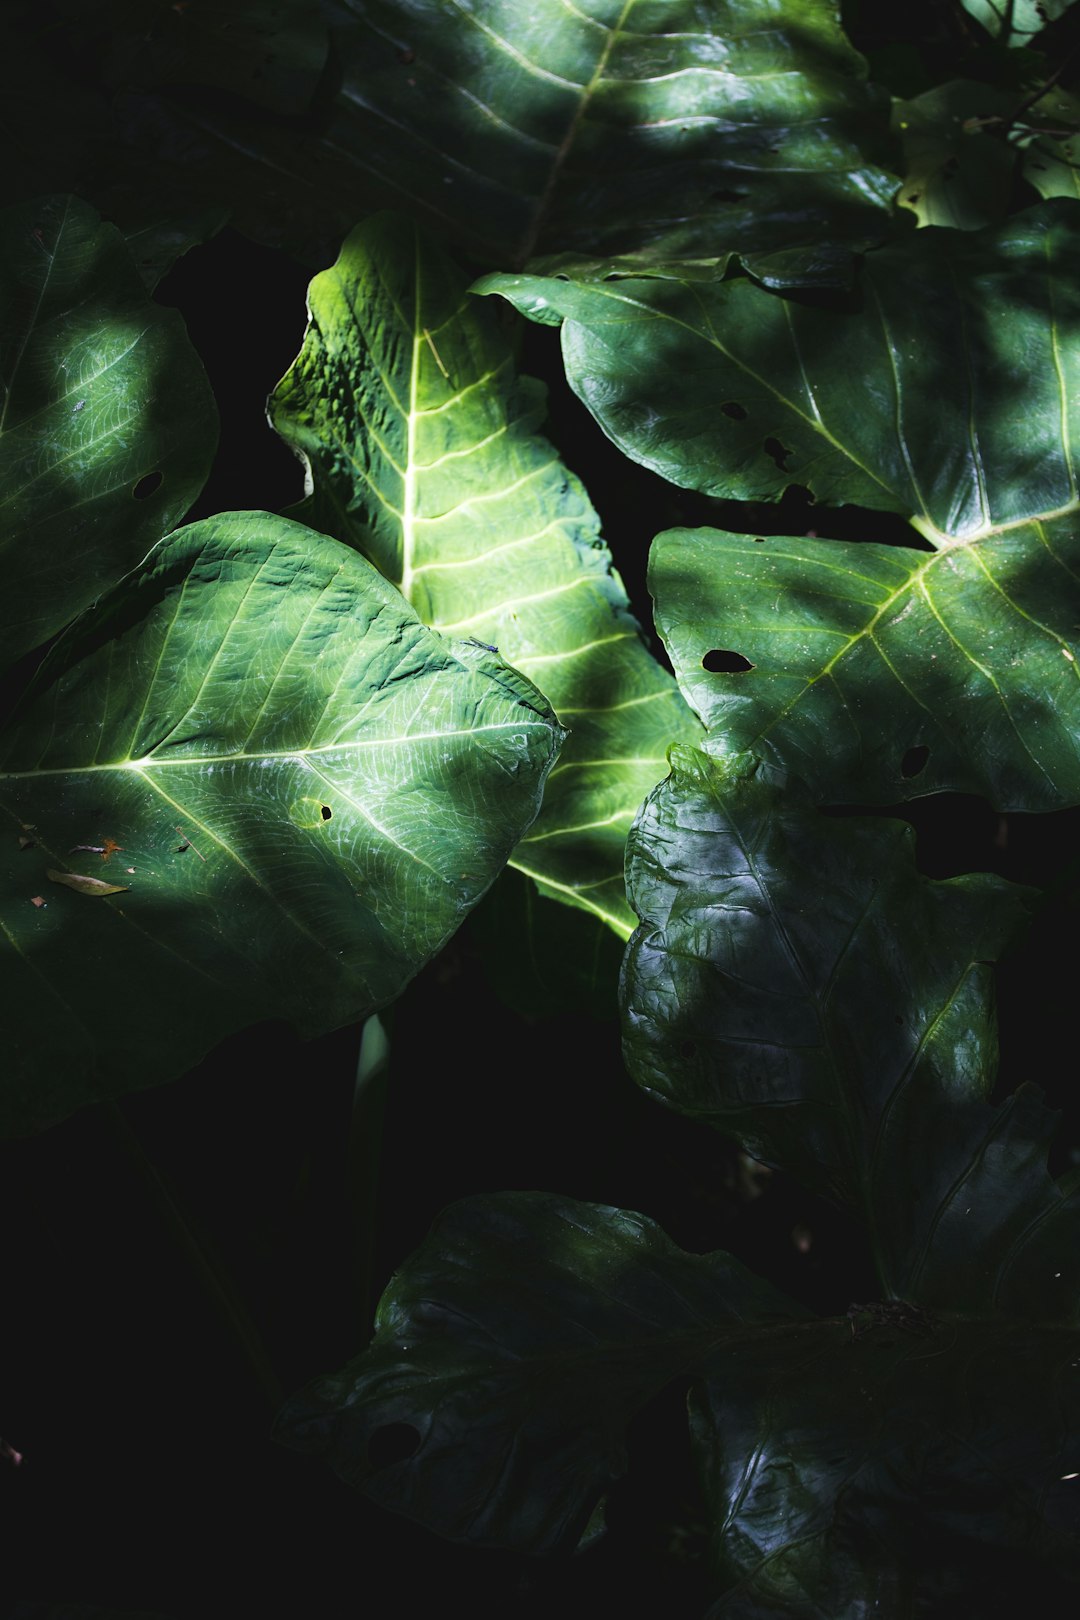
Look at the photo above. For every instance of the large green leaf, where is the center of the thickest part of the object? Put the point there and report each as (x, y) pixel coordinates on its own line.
(947, 391)
(513, 1348)
(296, 788)
(107, 423)
(422, 452)
(796, 984)
(510, 1353)
(881, 672)
(676, 127)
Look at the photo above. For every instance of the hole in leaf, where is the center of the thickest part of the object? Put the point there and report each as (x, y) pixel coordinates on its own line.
(728, 196)
(326, 812)
(759, 539)
(721, 661)
(393, 1443)
(736, 411)
(779, 453)
(147, 484)
(914, 761)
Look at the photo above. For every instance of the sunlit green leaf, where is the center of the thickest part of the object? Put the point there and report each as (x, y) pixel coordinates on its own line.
(959, 166)
(423, 452)
(946, 391)
(301, 788)
(107, 422)
(879, 673)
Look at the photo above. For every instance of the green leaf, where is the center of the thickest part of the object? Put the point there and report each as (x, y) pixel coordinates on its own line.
(513, 1348)
(1050, 145)
(947, 392)
(890, 1467)
(655, 126)
(958, 171)
(303, 789)
(422, 452)
(880, 673)
(796, 984)
(510, 1354)
(107, 423)
(1015, 22)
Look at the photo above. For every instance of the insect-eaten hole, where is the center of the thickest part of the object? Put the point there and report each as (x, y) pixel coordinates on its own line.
(147, 485)
(778, 452)
(721, 661)
(393, 1443)
(737, 412)
(325, 811)
(914, 761)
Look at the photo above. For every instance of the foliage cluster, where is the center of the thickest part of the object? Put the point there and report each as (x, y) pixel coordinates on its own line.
(399, 756)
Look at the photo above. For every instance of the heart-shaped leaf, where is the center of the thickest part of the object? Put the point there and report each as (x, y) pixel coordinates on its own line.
(422, 452)
(301, 789)
(107, 423)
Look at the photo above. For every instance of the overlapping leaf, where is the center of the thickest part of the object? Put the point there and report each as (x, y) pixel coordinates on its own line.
(513, 1348)
(298, 787)
(794, 983)
(1015, 22)
(948, 392)
(663, 127)
(107, 422)
(510, 1354)
(423, 453)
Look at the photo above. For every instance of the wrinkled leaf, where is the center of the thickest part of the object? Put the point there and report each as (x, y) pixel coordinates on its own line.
(881, 673)
(107, 423)
(876, 1475)
(308, 787)
(797, 985)
(655, 126)
(422, 452)
(510, 1353)
(947, 392)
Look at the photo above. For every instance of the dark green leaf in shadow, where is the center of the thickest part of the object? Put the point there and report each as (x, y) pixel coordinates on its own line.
(107, 423)
(422, 452)
(795, 983)
(878, 1467)
(881, 673)
(645, 126)
(948, 391)
(302, 789)
(510, 1353)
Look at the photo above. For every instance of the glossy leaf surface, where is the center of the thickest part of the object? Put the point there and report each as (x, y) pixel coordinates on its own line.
(423, 453)
(880, 673)
(796, 984)
(107, 423)
(947, 393)
(671, 127)
(302, 789)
